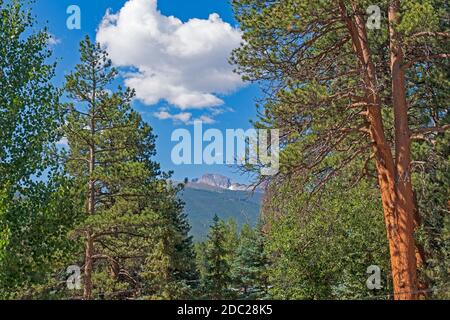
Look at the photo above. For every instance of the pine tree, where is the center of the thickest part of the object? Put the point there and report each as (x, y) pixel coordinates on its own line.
(133, 231)
(342, 93)
(201, 263)
(249, 269)
(185, 268)
(217, 279)
(231, 240)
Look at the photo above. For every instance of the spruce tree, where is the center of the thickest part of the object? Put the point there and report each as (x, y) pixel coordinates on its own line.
(249, 269)
(217, 280)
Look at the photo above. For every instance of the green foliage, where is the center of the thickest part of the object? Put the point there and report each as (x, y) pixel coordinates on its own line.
(432, 181)
(232, 264)
(29, 103)
(39, 250)
(250, 267)
(418, 16)
(321, 248)
(34, 212)
(429, 102)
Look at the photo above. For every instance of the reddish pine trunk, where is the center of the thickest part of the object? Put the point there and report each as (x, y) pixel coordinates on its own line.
(393, 175)
(89, 263)
(405, 206)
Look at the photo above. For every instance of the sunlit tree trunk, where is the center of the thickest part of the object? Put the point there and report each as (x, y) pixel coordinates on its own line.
(393, 174)
(405, 206)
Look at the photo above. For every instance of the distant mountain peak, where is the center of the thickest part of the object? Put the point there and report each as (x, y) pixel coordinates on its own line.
(215, 180)
(202, 202)
(219, 181)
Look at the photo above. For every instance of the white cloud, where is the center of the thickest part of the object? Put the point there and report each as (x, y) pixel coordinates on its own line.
(185, 64)
(184, 117)
(206, 119)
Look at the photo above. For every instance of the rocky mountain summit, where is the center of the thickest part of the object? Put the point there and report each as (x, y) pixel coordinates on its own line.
(219, 181)
(214, 180)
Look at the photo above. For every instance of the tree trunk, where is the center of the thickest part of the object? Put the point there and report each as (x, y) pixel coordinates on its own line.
(405, 206)
(88, 266)
(395, 198)
(88, 259)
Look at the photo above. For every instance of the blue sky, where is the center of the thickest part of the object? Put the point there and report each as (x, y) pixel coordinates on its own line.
(230, 105)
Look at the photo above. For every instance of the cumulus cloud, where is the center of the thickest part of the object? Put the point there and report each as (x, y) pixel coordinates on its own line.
(183, 117)
(205, 119)
(185, 64)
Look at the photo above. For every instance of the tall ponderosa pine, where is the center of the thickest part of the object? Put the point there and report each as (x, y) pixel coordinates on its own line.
(134, 233)
(341, 93)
